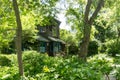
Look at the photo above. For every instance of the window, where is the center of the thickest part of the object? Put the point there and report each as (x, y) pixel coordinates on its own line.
(55, 49)
(42, 47)
(42, 29)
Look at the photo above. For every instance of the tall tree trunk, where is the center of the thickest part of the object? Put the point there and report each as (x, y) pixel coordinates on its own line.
(87, 27)
(85, 42)
(18, 37)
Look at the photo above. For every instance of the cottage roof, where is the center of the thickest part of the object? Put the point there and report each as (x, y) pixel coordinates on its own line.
(48, 39)
(41, 38)
(56, 39)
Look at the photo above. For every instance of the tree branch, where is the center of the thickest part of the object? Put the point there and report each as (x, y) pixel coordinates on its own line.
(87, 10)
(99, 6)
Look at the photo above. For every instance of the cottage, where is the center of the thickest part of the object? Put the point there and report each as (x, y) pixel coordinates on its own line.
(49, 40)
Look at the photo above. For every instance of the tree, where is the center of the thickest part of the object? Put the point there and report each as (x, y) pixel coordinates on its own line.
(87, 27)
(18, 37)
(83, 20)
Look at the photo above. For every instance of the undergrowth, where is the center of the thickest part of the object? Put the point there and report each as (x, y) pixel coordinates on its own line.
(42, 67)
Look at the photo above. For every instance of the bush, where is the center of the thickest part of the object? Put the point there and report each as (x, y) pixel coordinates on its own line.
(117, 67)
(73, 49)
(8, 67)
(92, 48)
(42, 67)
(102, 62)
(118, 74)
(4, 61)
(113, 47)
(102, 48)
(35, 60)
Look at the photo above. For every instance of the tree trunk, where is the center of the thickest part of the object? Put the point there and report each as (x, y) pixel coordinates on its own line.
(18, 37)
(87, 27)
(85, 42)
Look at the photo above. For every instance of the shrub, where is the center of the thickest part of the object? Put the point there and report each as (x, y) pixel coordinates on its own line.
(102, 62)
(9, 73)
(113, 47)
(92, 48)
(118, 73)
(4, 61)
(117, 67)
(73, 49)
(8, 67)
(102, 48)
(42, 67)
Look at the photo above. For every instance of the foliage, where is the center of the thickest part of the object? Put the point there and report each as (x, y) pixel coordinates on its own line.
(74, 15)
(9, 73)
(113, 47)
(71, 41)
(92, 48)
(117, 67)
(73, 49)
(31, 13)
(106, 23)
(68, 36)
(4, 61)
(8, 67)
(100, 34)
(7, 21)
(49, 69)
(41, 66)
(118, 73)
(102, 48)
(102, 62)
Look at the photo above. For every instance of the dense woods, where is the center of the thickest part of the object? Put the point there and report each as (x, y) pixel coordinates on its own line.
(34, 46)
